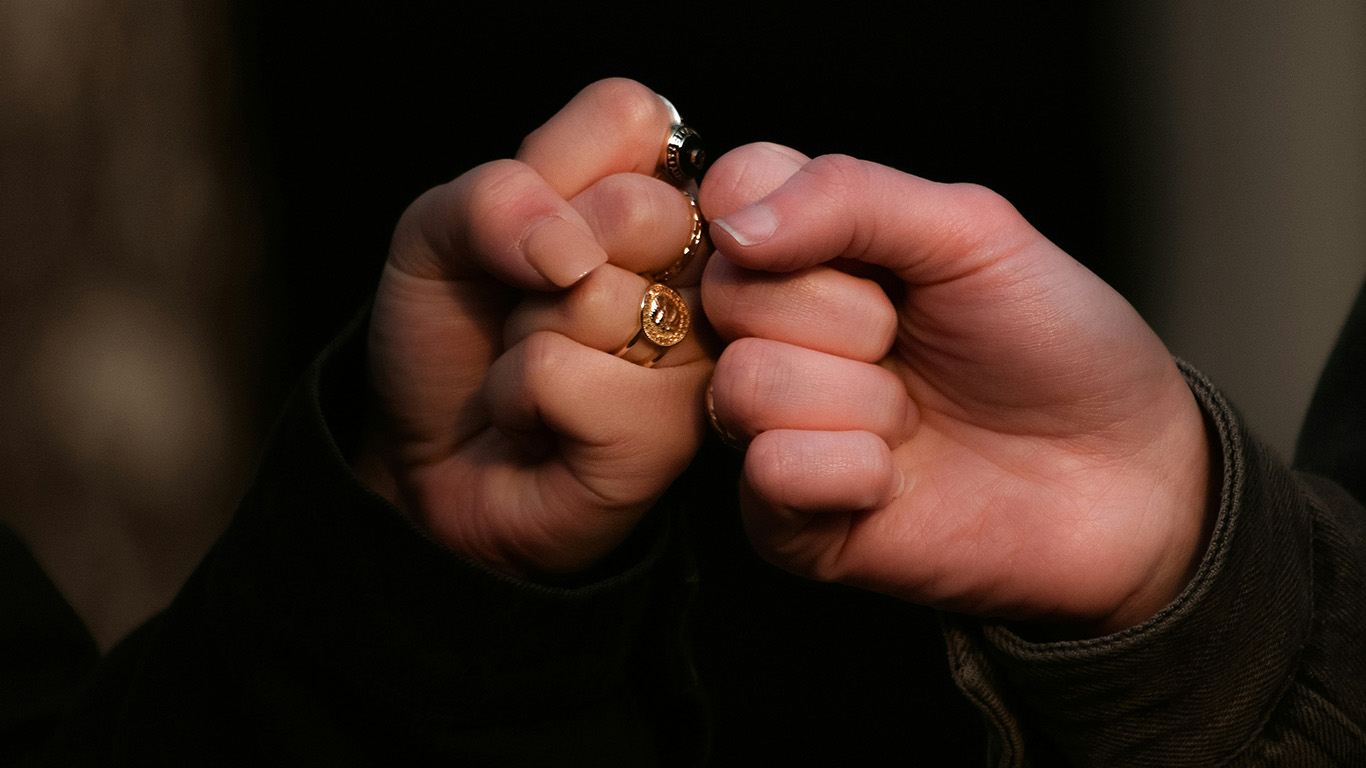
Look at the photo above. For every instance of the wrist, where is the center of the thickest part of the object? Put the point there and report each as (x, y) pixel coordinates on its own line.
(1186, 495)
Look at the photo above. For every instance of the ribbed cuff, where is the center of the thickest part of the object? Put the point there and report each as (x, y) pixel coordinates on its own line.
(1195, 682)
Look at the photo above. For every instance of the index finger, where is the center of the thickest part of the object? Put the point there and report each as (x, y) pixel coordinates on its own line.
(612, 126)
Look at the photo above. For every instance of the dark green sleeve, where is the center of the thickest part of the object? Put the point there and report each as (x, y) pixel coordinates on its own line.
(325, 629)
(1261, 661)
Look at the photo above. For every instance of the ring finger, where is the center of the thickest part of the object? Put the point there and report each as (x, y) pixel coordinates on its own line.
(760, 385)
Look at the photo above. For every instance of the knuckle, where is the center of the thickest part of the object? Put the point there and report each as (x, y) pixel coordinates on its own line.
(988, 218)
(745, 174)
(984, 202)
(725, 297)
(750, 375)
(543, 358)
(620, 206)
(502, 190)
(474, 211)
(595, 297)
(764, 461)
(837, 173)
(494, 180)
(625, 103)
(883, 325)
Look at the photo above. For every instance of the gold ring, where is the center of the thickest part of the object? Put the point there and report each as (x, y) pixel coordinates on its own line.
(730, 440)
(664, 321)
(694, 246)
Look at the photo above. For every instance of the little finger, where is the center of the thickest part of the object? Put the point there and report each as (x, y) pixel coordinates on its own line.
(801, 490)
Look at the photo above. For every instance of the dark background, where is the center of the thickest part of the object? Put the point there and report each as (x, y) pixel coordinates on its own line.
(355, 111)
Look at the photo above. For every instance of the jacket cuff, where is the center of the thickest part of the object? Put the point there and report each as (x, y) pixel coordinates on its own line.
(1195, 682)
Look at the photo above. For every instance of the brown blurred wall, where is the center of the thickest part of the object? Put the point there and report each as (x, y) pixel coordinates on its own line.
(1255, 137)
(126, 314)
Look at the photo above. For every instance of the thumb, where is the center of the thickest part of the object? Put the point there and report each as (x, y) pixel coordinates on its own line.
(837, 206)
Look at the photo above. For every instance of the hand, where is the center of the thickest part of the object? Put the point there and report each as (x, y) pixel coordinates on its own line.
(942, 405)
(504, 424)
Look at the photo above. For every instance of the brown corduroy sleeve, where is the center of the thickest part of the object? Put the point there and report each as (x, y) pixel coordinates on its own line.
(1260, 661)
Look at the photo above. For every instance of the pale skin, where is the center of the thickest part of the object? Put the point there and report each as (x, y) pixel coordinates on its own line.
(502, 425)
(937, 402)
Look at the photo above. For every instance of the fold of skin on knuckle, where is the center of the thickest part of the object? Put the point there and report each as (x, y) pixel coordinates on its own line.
(815, 223)
(557, 384)
(496, 207)
(509, 391)
(836, 313)
(543, 386)
(894, 412)
(977, 228)
(721, 296)
(627, 103)
(440, 221)
(742, 302)
(588, 312)
(615, 124)
(809, 473)
(748, 375)
(954, 228)
(854, 312)
(630, 110)
(792, 521)
(744, 175)
(832, 183)
(500, 187)
(597, 302)
(616, 205)
(765, 473)
(828, 392)
(638, 219)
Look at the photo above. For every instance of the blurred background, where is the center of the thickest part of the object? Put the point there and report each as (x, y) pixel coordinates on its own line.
(194, 196)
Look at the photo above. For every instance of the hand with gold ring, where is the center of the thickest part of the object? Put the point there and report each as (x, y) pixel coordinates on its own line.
(651, 234)
(505, 425)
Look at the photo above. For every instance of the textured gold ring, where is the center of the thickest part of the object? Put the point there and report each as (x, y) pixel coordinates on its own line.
(726, 435)
(695, 245)
(664, 321)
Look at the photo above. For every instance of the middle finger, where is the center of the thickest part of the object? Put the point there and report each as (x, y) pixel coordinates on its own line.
(645, 225)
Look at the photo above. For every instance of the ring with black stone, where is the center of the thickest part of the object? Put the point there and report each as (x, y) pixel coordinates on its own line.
(683, 158)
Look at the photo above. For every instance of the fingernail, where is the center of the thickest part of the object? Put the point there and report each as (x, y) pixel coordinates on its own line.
(673, 111)
(561, 252)
(750, 226)
(900, 484)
